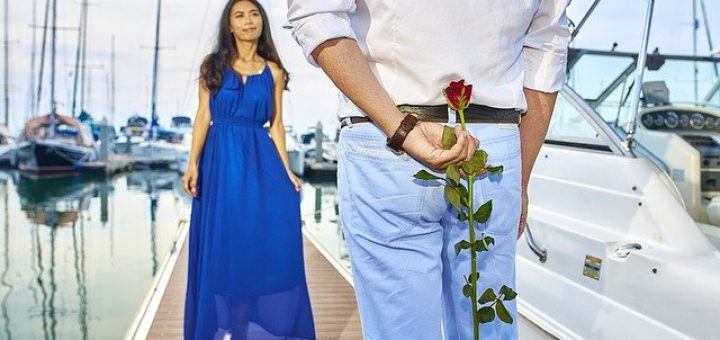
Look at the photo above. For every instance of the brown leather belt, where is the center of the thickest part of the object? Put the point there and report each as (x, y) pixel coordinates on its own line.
(439, 113)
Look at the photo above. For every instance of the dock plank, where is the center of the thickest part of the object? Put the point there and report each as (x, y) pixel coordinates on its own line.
(332, 298)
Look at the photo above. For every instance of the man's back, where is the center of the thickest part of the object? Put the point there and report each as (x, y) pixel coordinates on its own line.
(415, 47)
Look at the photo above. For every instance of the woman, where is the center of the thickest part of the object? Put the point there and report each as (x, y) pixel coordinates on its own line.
(246, 278)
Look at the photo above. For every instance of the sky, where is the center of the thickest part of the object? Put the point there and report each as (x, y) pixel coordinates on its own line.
(187, 32)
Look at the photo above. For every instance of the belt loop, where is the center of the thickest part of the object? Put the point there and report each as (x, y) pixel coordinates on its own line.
(521, 113)
(452, 117)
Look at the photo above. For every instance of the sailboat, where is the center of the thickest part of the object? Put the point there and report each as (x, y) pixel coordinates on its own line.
(163, 147)
(55, 143)
(624, 218)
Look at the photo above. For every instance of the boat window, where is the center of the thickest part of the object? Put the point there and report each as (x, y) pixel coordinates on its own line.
(602, 81)
(606, 82)
(569, 127)
(680, 78)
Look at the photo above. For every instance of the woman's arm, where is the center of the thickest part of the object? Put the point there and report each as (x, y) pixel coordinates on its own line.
(200, 125)
(277, 128)
(199, 132)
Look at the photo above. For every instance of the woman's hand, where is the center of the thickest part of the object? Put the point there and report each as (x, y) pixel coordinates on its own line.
(189, 180)
(295, 180)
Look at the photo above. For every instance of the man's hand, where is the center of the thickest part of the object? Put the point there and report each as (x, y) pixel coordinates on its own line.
(424, 143)
(523, 214)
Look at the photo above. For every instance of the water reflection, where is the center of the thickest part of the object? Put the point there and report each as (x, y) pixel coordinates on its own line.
(319, 207)
(151, 183)
(79, 254)
(6, 263)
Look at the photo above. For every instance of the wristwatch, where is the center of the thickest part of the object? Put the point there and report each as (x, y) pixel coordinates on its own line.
(398, 138)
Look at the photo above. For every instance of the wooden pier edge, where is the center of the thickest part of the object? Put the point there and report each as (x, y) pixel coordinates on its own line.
(143, 321)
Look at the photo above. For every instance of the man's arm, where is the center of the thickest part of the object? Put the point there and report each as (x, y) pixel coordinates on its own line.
(545, 56)
(344, 63)
(534, 129)
(323, 30)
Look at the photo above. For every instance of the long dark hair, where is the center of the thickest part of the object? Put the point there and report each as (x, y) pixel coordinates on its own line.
(225, 50)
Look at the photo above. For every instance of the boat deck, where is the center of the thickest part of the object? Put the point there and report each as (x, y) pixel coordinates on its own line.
(332, 298)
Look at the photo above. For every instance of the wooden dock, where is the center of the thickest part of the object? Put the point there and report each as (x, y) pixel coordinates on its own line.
(332, 298)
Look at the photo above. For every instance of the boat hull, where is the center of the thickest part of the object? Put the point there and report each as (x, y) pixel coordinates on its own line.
(161, 154)
(623, 260)
(47, 157)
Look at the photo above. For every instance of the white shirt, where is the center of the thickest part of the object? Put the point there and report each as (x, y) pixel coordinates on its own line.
(416, 47)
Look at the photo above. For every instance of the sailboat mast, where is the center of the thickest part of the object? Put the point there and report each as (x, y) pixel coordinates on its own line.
(80, 47)
(53, 54)
(112, 82)
(83, 60)
(7, 61)
(42, 56)
(156, 50)
(33, 48)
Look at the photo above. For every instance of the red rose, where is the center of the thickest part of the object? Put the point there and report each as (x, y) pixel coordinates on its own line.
(458, 94)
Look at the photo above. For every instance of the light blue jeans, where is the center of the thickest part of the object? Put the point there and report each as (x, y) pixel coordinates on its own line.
(401, 233)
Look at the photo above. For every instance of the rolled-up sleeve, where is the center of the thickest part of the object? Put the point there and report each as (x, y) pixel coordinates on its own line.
(316, 21)
(545, 47)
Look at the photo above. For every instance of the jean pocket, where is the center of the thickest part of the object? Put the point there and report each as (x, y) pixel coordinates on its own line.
(502, 149)
(504, 190)
(368, 142)
(387, 218)
(385, 199)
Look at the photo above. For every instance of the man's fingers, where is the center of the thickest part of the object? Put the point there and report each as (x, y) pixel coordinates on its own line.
(472, 146)
(442, 160)
(447, 157)
(457, 152)
(462, 143)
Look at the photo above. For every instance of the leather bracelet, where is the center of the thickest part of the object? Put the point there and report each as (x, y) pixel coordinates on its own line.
(398, 138)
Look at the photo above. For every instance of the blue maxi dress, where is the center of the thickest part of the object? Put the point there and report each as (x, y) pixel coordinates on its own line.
(246, 277)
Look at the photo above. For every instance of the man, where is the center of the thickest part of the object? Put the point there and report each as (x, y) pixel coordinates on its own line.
(401, 231)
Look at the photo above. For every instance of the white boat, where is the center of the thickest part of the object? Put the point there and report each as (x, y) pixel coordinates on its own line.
(624, 217)
(7, 147)
(133, 133)
(183, 126)
(309, 144)
(295, 152)
(161, 153)
(163, 148)
(170, 148)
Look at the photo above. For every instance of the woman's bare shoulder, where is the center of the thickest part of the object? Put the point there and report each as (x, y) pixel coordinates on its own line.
(277, 72)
